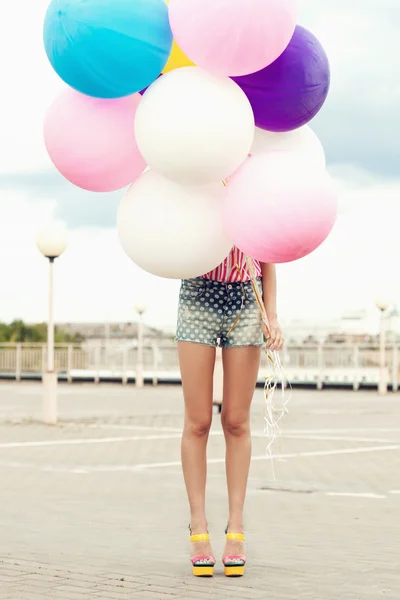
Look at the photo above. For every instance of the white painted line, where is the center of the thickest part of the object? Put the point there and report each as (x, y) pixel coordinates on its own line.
(136, 428)
(43, 468)
(356, 495)
(89, 441)
(338, 452)
(90, 470)
(81, 470)
(395, 492)
(337, 438)
(338, 431)
(300, 435)
(215, 461)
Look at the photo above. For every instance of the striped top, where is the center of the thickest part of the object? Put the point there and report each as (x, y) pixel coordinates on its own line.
(229, 271)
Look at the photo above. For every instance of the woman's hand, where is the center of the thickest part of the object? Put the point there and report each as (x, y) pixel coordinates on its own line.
(273, 335)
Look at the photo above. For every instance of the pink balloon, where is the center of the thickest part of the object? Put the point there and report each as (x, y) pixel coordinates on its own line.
(233, 37)
(279, 208)
(91, 141)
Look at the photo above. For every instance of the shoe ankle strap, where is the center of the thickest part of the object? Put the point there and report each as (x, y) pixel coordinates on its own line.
(235, 537)
(200, 537)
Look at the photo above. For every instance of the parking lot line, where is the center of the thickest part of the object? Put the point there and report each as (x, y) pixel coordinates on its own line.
(316, 453)
(357, 495)
(337, 438)
(89, 441)
(135, 427)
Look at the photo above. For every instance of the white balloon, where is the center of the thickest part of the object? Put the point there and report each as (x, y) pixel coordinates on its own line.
(194, 127)
(170, 230)
(301, 141)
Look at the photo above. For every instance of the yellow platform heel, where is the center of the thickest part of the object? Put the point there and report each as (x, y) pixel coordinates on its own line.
(203, 566)
(234, 565)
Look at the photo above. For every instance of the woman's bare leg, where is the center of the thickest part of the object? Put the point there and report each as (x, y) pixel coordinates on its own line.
(197, 369)
(241, 367)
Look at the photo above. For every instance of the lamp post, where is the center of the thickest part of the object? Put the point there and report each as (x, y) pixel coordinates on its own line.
(382, 306)
(52, 242)
(140, 309)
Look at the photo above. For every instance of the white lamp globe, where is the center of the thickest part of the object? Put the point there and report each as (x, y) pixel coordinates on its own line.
(140, 308)
(52, 240)
(382, 303)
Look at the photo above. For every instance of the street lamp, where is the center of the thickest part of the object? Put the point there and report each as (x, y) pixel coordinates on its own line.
(52, 242)
(140, 309)
(382, 306)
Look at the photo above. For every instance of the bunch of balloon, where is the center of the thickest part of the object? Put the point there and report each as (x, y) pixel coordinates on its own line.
(219, 81)
(105, 52)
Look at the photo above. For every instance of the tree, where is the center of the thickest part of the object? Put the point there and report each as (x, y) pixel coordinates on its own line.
(18, 332)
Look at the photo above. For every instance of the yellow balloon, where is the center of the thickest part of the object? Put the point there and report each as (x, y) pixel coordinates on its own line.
(177, 58)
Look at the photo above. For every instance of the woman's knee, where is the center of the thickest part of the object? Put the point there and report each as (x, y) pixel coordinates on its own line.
(199, 427)
(235, 424)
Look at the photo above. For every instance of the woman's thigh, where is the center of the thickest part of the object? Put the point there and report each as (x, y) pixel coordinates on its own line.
(241, 366)
(197, 370)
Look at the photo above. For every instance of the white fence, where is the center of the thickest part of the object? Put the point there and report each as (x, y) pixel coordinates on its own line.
(317, 365)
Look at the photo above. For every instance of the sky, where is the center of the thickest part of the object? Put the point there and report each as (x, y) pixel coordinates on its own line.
(359, 127)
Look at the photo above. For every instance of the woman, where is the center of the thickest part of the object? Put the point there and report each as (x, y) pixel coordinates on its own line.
(221, 308)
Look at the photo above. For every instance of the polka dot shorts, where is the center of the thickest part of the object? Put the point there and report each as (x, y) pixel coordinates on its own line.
(209, 309)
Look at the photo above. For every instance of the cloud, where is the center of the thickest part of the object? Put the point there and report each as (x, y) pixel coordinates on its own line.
(78, 208)
(28, 86)
(358, 126)
(95, 280)
(358, 262)
(359, 123)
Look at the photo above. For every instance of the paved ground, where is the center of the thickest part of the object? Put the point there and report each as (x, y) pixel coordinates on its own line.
(95, 508)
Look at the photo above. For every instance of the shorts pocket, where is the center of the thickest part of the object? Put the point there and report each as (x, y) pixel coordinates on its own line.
(192, 289)
(250, 295)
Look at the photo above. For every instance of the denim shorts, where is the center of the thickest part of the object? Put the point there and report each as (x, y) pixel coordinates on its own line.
(208, 311)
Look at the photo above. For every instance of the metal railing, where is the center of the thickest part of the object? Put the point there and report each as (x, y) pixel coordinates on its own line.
(319, 365)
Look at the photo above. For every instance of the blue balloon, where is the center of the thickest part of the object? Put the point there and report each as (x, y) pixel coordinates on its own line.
(108, 48)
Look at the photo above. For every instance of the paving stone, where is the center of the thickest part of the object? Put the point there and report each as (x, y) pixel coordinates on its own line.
(96, 508)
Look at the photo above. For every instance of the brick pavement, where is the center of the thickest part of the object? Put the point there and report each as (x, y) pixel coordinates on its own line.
(95, 507)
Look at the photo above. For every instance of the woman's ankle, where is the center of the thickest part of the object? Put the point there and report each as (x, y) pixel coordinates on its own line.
(235, 525)
(198, 525)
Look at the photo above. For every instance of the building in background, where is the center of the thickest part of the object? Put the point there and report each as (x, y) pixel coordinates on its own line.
(300, 331)
(354, 327)
(393, 324)
(96, 334)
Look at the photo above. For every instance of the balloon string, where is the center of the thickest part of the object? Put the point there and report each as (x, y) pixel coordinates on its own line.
(275, 407)
(274, 412)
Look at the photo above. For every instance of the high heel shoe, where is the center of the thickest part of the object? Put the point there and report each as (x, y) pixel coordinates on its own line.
(234, 565)
(203, 566)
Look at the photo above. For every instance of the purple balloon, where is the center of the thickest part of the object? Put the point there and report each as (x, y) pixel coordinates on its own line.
(146, 88)
(291, 91)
